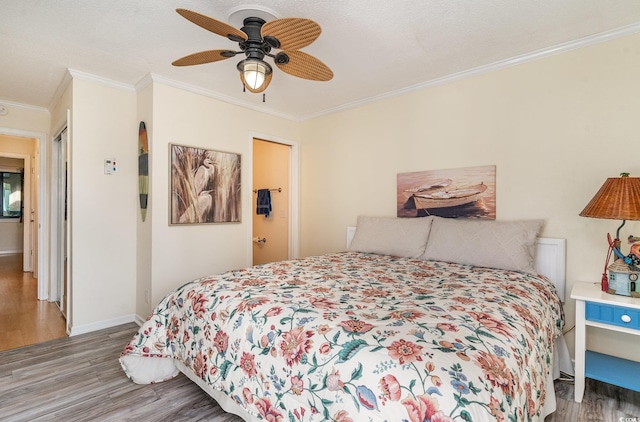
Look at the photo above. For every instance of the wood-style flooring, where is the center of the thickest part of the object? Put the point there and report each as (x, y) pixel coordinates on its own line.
(80, 379)
(23, 318)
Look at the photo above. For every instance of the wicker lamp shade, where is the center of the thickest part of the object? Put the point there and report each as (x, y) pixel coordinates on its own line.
(617, 199)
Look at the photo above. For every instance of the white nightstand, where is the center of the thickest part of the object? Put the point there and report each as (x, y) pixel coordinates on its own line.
(609, 312)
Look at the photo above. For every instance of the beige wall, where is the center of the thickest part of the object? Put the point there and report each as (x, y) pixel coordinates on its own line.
(103, 207)
(556, 128)
(144, 237)
(11, 238)
(182, 253)
(31, 119)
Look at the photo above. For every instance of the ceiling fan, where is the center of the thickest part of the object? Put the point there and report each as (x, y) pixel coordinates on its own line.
(256, 39)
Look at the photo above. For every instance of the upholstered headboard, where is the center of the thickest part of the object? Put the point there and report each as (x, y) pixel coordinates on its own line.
(550, 259)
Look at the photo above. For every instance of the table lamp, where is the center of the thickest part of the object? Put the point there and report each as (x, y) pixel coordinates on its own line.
(617, 199)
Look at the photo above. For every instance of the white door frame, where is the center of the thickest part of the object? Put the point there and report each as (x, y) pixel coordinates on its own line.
(294, 195)
(59, 233)
(42, 268)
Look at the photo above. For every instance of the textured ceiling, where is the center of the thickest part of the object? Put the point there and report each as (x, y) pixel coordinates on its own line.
(374, 47)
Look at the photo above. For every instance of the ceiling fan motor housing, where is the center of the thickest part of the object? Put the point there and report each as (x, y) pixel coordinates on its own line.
(254, 47)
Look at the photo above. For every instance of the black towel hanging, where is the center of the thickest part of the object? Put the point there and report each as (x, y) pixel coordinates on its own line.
(263, 206)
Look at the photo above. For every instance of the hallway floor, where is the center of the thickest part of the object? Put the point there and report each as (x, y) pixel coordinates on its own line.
(23, 318)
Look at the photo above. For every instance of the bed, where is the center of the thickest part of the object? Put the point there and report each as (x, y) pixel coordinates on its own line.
(403, 326)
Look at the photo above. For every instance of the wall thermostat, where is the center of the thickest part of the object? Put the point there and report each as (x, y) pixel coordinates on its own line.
(110, 166)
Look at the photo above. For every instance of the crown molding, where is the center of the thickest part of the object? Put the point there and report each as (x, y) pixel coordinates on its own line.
(211, 94)
(77, 74)
(502, 64)
(62, 87)
(10, 104)
(513, 61)
(144, 82)
(71, 74)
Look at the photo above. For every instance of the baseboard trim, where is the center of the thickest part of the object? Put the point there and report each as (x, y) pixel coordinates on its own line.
(11, 252)
(100, 325)
(140, 320)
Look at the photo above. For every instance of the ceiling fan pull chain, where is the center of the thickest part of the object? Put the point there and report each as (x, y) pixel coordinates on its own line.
(263, 97)
(244, 88)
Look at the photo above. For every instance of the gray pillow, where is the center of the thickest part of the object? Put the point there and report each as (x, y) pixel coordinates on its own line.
(405, 237)
(508, 245)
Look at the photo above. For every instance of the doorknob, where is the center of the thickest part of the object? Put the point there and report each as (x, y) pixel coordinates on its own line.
(259, 240)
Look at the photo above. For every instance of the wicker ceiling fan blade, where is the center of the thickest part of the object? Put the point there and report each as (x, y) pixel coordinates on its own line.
(292, 33)
(207, 56)
(265, 84)
(304, 66)
(213, 25)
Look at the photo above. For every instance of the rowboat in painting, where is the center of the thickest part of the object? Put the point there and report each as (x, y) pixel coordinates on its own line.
(444, 197)
(433, 186)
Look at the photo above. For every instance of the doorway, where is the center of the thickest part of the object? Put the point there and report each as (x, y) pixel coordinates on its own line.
(272, 220)
(27, 316)
(16, 232)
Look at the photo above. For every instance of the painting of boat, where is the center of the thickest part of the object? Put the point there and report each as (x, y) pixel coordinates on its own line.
(467, 192)
(444, 197)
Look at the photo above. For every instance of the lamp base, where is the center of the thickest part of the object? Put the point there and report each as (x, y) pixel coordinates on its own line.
(623, 280)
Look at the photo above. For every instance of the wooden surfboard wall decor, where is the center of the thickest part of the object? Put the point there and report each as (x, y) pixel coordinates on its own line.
(143, 169)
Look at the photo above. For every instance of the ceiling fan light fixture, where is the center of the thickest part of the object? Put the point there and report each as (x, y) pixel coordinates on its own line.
(255, 72)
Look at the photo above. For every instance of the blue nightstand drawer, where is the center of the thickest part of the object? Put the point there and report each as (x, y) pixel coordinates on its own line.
(614, 315)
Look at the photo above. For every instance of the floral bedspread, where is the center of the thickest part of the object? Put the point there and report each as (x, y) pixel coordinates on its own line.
(363, 337)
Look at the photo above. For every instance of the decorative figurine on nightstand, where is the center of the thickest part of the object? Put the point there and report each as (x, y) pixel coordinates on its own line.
(623, 280)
